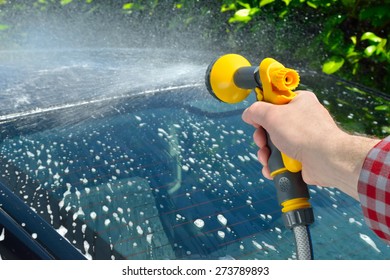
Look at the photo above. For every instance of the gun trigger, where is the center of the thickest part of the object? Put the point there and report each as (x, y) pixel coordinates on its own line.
(259, 94)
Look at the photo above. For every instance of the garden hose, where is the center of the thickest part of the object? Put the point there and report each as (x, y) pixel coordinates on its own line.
(230, 79)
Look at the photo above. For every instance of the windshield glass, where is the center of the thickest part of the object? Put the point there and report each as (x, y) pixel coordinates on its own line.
(128, 169)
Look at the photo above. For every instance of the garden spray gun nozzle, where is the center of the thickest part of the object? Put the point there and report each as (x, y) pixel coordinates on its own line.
(230, 79)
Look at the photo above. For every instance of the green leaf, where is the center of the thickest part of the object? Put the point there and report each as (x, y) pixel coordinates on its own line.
(242, 13)
(370, 50)
(245, 5)
(355, 67)
(332, 65)
(382, 108)
(357, 90)
(353, 57)
(3, 27)
(287, 2)
(381, 47)
(65, 2)
(254, 11)
(311, 4)
(283, 13)
(127, 6)
(354, 40)
(265, 2)
(371, 37)
(226, 7)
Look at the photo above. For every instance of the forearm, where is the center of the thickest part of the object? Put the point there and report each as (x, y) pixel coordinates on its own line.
(346, 161)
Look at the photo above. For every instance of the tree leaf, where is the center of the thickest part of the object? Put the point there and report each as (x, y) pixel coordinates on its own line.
(245, 5)
(3, 27)
(66, 2)
(370, 50)
(226, 7)
(242, 12)
(381, 47)
(332, 65)
(382, 108)
(254, 11)
(127, 6)
(242, 15)
(354, 40)
(265, 2)
(311, 4)
(371, 37)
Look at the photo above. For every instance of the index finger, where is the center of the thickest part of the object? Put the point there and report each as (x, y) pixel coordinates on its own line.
(255, 114)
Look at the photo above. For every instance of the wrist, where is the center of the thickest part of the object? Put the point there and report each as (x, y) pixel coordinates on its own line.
(349, 157)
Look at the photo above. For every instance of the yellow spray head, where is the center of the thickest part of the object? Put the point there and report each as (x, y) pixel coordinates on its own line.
(231, 78)
(220, 78)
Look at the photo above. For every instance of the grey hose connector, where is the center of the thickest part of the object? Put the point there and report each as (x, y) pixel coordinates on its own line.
(303, 243)
(289, 186)
(298, 221)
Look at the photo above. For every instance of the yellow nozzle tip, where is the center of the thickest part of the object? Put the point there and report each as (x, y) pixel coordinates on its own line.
(285, 79)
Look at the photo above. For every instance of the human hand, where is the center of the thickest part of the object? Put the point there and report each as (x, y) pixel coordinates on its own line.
(304, 130)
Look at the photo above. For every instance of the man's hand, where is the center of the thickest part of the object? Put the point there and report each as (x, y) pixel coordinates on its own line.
(304, 130)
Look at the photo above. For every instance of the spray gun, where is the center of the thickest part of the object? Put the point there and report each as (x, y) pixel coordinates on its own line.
(230, 79)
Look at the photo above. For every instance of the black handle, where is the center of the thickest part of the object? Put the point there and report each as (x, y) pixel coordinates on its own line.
(289, 185)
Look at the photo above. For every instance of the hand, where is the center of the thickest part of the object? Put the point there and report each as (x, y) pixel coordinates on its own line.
(303, 129)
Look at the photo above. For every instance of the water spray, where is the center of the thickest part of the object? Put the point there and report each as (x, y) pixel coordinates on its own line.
(230, 79)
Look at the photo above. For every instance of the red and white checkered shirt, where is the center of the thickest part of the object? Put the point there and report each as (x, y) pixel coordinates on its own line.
(374, 189)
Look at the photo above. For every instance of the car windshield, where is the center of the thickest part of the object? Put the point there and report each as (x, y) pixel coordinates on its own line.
(130, 158)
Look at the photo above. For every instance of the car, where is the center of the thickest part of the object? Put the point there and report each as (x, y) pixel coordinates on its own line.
(123, 154)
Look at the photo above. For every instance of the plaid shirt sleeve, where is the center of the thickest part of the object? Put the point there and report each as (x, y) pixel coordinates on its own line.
(374, 189)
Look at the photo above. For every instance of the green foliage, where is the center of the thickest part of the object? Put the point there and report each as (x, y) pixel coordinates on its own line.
(377, 14)
(333, 64)
(65, 2)
(128, 6)
(243, 12)
(352, 35)
(382, 108)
